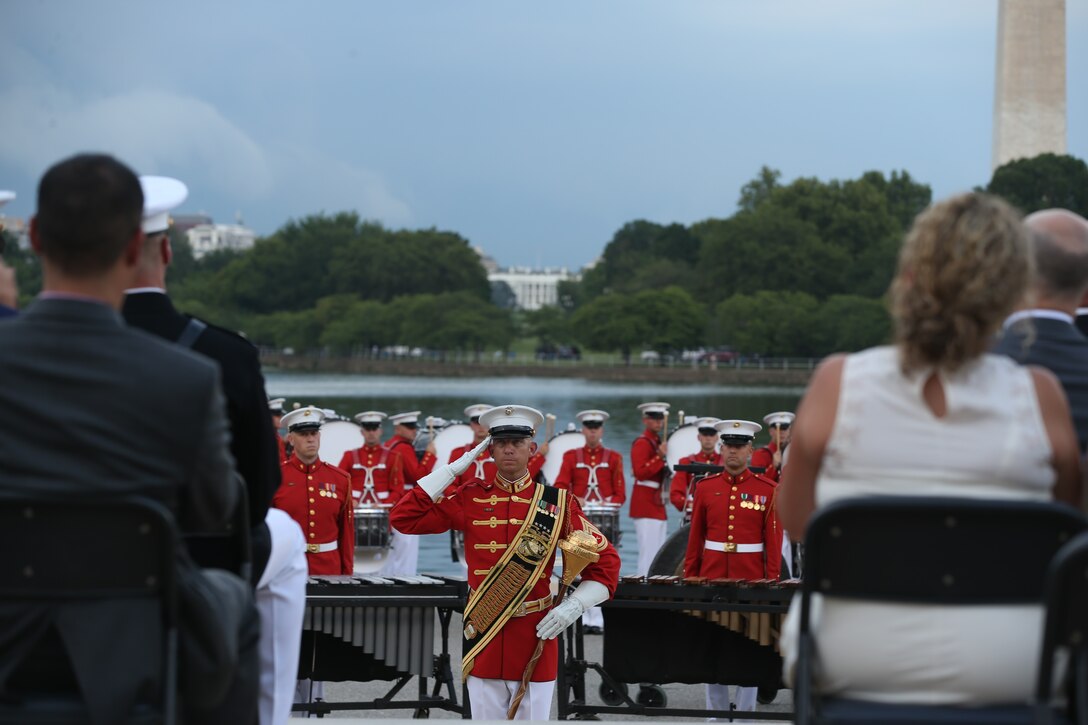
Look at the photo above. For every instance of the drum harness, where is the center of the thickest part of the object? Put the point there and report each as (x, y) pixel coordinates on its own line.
(368, 482)
(592, 487)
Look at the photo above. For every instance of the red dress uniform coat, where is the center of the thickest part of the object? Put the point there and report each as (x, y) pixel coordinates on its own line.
(318, 497)
(764, 458)
(491, 517)
(383, 465)
(649, 469)
(282, 447)
(414, 468)
(580, 463)
(678, 489)
(736, 510)
(484, 466)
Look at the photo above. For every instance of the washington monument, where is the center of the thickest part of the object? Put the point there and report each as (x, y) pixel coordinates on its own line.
(1029, 101)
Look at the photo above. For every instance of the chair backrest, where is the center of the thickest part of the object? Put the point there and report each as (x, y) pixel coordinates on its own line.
(936, 550)
(1066, 625)
(70, 551)
(230, 548)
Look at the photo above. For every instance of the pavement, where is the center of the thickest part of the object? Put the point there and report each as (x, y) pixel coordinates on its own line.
(679, 695)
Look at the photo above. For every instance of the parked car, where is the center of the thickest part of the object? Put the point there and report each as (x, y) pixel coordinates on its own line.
(721, 355)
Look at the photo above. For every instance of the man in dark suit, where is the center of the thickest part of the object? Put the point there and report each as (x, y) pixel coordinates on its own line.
(96, 409)
(1043, 333)
(279, 557)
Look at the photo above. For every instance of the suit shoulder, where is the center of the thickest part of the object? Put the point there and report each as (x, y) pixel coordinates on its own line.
(223, 337)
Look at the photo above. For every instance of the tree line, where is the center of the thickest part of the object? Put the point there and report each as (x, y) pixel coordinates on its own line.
(800, 269)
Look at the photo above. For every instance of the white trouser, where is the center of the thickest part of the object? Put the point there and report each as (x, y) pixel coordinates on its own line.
(492, 698)
(717, 698)
(281, 601)
(787, 554)
(593, 617)
(651, 535)
(403, 555)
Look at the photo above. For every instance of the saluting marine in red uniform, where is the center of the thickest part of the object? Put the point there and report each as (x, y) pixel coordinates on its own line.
(404, 551)
(593, 473)
(648, 465)
(484, 465)
(512, 526)
(680, 493)
(769, 457)
(377, 473)
(317, 496)
(735, 532)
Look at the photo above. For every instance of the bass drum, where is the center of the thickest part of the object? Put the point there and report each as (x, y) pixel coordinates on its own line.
(372, 539)
(683, 442)
(670, 557)
(452, 436)
(557, 446)
(337, 438)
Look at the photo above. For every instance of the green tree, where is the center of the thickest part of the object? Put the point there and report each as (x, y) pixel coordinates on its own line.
(611, 322)
(364, 324)
(550, 325)
(453, 321)
(674, 320)
(1043, 182)
(759, 189)
(777, 324)
(848, 323)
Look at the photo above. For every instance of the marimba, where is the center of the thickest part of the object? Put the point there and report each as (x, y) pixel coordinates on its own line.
(667, 629)
(365, 627)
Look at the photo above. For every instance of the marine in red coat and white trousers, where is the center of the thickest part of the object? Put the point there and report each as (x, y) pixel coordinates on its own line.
(649, 467)
(318, 497)
(735, 533)
(594, 474)
(377, 473)
(404, 551)
(508, 521)
(681, 492)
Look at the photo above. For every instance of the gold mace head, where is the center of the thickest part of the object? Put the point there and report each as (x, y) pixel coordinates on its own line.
(579, 551)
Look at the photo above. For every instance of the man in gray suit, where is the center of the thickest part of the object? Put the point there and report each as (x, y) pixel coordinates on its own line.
(95, 409)
(1043, 333)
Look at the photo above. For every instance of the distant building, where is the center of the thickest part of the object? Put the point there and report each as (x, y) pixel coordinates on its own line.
(205, 238)
(531, 288)
(184, 222)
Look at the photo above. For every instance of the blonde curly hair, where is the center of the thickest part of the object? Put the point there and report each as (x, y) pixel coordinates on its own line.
(964, 266)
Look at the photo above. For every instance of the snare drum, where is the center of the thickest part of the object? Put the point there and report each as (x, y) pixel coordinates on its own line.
(371, 528)
(605, 517)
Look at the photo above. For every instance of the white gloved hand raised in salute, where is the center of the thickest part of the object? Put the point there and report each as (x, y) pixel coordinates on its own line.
(588, 594)
(435, 482)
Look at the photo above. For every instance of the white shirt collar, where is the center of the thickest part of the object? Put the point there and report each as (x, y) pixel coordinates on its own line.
(142, 290)
(1044, 314)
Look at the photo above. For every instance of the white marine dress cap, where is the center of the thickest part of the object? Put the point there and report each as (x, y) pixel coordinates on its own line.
(402, 418)
(782, 417)
(707, 424)
(647, 408)
(161, 194)
(738, 431)
(477, 409)
(308, 418)
(370, 416)
(590, 416)
(275, 405)
(512, 421)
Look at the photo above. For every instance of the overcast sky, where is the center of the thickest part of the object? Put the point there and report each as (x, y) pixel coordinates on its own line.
(534, 129)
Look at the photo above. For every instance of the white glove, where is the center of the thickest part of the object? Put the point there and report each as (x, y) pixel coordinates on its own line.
(588, 594)
(435, 482)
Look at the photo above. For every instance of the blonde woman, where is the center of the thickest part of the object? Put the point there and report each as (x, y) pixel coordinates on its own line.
(933, 414)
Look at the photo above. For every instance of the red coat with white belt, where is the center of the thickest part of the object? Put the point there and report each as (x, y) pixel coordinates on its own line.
(735, 532)
(318, 497)
(384, 468)
(491, 516)
(581, 464)
(414, 468)
(649, 469)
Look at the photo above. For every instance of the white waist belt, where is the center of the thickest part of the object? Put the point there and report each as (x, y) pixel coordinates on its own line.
(730, 548)
(322, 548)
(648, 484)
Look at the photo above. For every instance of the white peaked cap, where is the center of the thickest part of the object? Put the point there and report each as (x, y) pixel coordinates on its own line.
(411, 416)
(654, 408)
(370, 416)
(276, 404)
(477, 409)
(307, 418)
(512, 421)
(707, 423)
(591, 415)
(738, 431)
(6, 196)
(782, 417)
(161, 194)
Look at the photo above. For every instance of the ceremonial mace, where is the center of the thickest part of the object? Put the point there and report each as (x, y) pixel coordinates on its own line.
(549, 429)
(579, 551)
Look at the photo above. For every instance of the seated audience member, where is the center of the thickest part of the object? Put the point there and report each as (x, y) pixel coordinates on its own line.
(933, 415)
(278, 546)
(1043, 333)
(85, 397)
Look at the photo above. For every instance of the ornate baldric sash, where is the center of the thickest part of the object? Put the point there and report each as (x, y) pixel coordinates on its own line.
(504, 589)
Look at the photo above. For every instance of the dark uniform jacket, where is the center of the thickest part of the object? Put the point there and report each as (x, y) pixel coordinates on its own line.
(253, 442)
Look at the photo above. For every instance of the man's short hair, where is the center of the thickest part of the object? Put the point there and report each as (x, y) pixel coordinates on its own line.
(1061, 272)
(89, 207)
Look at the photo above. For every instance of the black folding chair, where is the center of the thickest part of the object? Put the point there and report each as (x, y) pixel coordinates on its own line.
(924, 550)
(1065, 634)
(75, 555)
